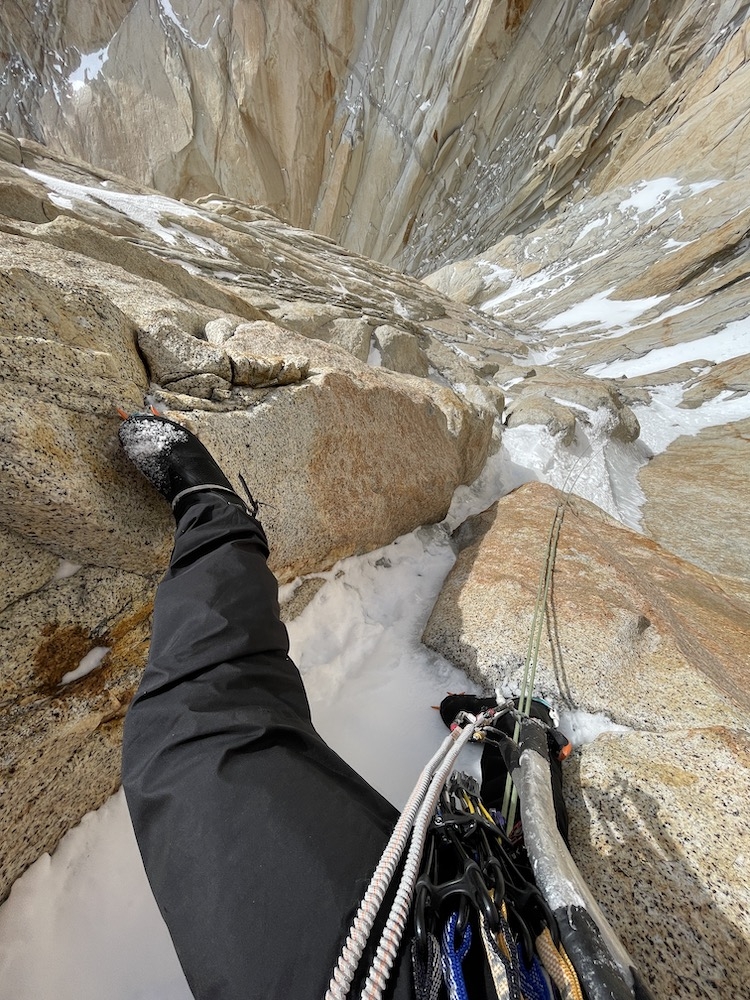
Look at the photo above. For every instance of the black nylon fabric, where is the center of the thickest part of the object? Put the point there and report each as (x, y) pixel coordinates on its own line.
(257, 839)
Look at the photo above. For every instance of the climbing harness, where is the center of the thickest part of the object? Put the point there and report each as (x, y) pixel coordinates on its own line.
(519, 904)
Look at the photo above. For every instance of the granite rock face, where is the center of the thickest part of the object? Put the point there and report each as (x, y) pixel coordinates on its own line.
(702, 480)
(450, 124)
(629, 624)
(571, 178)
(61, 736)
(112, 296)
(658, 831)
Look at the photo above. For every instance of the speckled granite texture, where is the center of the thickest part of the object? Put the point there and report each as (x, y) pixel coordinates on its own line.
(659, 829)
(659, 816)
(628, 623)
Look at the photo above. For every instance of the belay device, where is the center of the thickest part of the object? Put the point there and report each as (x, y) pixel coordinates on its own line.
(492, 912)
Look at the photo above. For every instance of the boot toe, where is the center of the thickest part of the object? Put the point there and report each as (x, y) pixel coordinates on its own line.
(169, 455)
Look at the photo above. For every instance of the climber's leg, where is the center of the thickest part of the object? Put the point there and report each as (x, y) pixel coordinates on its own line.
(258, 840)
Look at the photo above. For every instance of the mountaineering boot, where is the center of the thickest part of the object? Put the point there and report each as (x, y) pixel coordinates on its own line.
(175, 462)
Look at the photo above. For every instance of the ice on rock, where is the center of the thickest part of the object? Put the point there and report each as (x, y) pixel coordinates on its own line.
(89, 662)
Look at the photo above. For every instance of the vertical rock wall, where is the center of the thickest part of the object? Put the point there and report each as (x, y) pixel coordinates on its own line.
(413, 133)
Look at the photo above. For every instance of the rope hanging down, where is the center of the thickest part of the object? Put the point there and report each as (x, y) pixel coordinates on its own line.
(510, 800)
(522, 899)
(532, 654)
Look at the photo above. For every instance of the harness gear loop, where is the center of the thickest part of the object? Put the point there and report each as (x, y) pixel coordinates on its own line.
(394, 928)
(504, 973)
(427, 970)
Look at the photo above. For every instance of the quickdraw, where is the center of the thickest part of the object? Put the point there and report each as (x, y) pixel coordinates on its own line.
(412, 823)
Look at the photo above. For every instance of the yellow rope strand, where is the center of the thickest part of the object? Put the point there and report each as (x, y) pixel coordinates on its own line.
(558, 967)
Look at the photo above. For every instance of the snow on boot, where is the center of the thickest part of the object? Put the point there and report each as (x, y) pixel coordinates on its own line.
(175, 462)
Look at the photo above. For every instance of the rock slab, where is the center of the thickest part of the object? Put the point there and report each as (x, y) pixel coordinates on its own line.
(697, 498)
(628, 624)
(659, 831)
(658, 815)
(103, 309)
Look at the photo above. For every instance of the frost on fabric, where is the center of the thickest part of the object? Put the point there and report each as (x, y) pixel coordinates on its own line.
(147, 443)
(555, 871)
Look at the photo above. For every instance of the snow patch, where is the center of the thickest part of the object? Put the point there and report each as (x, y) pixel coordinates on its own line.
(146, 210)
(594, 467)
(65, 569)
(732, 341)
(542, 284)
(601, 311)
(89, 68)
(583, 727)
(90, 662)
(648, 195)
(358, 647)
(671, 244)
(590, 227)
(499, 476)
(61, 926)
(654, 194)
(663, 420)
(676, 310)
(168, 12)
(517, 288)
(374, 358)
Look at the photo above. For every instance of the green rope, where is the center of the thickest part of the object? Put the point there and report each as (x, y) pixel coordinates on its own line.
(510, 798)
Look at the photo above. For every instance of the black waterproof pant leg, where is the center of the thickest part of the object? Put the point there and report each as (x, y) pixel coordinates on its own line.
(258, 840)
